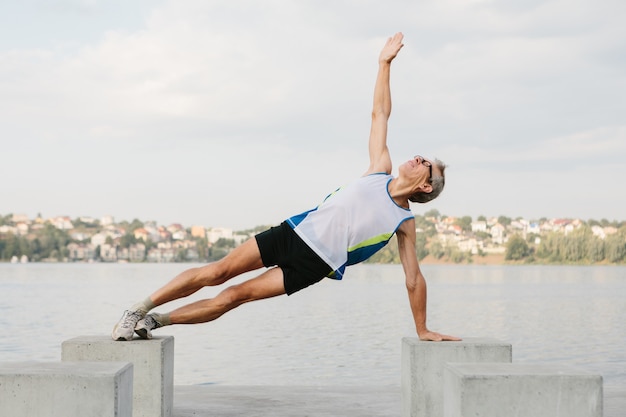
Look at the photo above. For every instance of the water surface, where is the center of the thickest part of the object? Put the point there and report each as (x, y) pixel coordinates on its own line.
(334, 333)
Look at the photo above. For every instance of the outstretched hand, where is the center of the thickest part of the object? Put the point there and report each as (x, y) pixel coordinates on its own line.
(391, 48)
(437, 337)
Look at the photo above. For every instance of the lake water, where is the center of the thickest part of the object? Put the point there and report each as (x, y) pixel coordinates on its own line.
(334, 333)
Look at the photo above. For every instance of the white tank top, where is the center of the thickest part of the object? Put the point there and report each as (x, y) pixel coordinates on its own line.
(352, 223)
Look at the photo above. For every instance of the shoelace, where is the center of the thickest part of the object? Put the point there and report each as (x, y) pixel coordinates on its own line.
(131, 319)
(152, 323)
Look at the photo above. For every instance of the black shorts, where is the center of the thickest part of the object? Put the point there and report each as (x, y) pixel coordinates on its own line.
(301, 266)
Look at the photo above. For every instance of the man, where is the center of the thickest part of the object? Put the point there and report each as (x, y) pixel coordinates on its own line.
(348, 227)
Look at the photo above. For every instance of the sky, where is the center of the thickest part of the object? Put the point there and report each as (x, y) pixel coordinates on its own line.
(239, 113)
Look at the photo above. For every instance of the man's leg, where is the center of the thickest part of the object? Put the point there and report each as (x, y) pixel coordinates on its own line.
(268, 284)
(244, 258)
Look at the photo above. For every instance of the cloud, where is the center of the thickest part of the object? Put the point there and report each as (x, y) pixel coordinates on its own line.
(592, 148)
(179, 98)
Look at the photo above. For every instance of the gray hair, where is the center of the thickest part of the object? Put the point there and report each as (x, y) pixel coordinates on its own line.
(436, 181)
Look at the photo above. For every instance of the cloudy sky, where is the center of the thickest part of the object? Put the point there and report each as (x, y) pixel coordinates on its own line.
(237, 113)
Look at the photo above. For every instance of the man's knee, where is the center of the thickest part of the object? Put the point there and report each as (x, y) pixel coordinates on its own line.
(233, 296)
(215, 273)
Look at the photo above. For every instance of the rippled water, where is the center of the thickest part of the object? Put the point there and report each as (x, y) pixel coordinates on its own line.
(334, 333)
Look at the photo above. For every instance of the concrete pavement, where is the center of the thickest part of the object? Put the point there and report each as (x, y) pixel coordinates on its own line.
(285, 401)
(301, 401)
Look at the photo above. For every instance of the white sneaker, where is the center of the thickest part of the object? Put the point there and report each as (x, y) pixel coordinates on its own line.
(145, 326)
(125, 328)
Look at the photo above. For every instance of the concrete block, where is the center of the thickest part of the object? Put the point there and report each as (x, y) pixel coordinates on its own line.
(423, 365)
(520, 390)
(68, 389)
(153, 361)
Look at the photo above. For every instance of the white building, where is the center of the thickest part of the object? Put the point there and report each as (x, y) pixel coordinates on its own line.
(107, 220)
(16, 218)
(161, 255)
(98, 239)
(470, 245)
(533, 228)
(217, 233)
(62, 223)
(6, 229)
(108, 253)
(498, 233)
(80, 252)
(22, 228)
(479, 226)
(179, 235)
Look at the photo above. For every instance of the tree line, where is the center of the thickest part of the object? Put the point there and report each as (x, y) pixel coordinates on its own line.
(580, 246)
(50, 243)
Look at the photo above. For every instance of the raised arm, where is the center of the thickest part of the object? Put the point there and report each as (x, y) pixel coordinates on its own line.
(415, 282)
(380, 161)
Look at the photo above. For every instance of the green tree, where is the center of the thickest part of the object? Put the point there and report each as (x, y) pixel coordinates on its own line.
(421, 243)
(254, 231)
(574, 245)
(10, 247)
(6, 219)
(127, 240)
(549, 247)
(595, 249)
(615, 248)
(181, 255)
(516, 249)
(24, 247)
(53, 242)
(432, 213)
(436, 249)
(531, 237)
(224, 243)
(134, 225)
(217, 253)
(80, 224)
(203, 248)
(504, 221)
(454, 254)
(592, 222)
(427, 227)
(35, 245)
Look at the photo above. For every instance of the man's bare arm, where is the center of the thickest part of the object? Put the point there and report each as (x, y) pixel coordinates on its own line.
(380, 161)
(415, 282)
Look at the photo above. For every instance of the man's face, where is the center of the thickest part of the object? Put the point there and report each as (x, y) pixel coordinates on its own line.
(426, 163)
(418, 168)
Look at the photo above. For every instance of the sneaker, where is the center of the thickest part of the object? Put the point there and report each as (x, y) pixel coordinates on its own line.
(125, 328)
(146, 325)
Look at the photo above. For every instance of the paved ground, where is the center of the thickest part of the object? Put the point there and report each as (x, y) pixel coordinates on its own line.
(284, 401)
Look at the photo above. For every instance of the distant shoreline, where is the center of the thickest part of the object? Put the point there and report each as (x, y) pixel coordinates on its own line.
(489, 259)
(498, 259)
